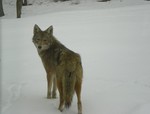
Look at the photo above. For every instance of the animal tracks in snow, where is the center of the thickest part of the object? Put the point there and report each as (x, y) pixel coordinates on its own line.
(13, 93)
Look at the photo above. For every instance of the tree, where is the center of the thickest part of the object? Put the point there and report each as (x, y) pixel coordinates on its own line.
(1, 9)
(18, 8)
(25, 3)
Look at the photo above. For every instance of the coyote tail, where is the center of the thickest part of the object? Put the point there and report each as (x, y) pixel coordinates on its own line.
(69, 85)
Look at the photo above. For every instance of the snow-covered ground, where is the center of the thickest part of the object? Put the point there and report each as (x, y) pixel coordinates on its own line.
(113, 41)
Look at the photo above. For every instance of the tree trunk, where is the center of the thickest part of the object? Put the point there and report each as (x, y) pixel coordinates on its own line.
(25, 3)
(1, 9)
(18, 8)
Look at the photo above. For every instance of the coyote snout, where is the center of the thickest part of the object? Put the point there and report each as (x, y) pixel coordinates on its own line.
(39, 47)
(62, 66)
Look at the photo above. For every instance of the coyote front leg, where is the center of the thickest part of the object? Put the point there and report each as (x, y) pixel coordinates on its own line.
(51, 79)
(54, 87)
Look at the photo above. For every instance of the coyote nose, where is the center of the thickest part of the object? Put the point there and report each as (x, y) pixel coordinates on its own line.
(39, 47)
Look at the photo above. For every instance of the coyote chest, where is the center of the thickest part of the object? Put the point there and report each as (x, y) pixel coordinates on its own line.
(48, 60)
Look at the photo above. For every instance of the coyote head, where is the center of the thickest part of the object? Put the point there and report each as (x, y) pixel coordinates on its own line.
(42, 39)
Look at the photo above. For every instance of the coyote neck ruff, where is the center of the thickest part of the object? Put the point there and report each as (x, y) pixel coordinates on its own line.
(62, 66)
(50, 54)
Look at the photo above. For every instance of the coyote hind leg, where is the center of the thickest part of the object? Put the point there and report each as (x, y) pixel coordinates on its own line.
(78, 93)
(62, 101)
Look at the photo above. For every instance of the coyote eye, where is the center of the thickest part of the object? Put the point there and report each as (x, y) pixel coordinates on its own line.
(45, 40)
(37, 40)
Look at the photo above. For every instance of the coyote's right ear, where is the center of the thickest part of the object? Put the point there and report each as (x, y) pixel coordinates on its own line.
(50, 30)
(36, 29)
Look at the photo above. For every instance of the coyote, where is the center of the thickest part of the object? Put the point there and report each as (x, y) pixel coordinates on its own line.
(62, 66)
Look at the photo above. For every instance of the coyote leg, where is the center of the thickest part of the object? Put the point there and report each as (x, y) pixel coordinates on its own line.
(60, 89)
(54, 87)
(49, 85)
(78, 93)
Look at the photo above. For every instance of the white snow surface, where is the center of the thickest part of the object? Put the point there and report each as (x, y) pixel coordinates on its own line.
(113, 40)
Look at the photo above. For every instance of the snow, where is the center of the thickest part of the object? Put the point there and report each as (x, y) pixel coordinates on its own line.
(113, 42)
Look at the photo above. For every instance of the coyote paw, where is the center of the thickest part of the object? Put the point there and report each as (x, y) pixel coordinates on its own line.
(61, 108)
(79, 112)
(49, 96)
(54, 96)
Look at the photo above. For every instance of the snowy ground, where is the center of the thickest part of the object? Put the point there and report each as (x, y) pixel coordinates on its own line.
(115, 50)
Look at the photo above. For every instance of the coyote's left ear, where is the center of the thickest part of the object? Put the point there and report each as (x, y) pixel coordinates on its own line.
(50, 30)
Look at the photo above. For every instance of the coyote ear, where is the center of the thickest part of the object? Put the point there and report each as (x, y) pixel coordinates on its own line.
(36, 29)
(50, 30)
